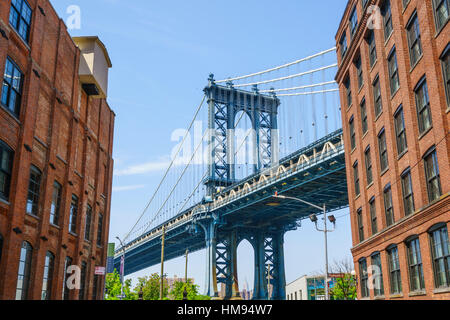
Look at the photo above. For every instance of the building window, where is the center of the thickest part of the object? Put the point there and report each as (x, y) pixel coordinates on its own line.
(356, 179)
(34, 187)
(23, 275)
(100, 230)
(351, 126)
(400, 131)
(359, 71)
(20, 18)
(368, 162)
(423, 106)
(414, 42)
(377, 97)
(373, 216)
(81, 293)
(432, 175)
(12, 87)
(73, 214)
(348, 91)
(343, 44)
(56, 204)
(66, 290)
(416, 281)
(446, 71)
(393, 72)
(382, 148)
(360, 225)
(388, 206)
(394, 270)
(48, 276)
(405, 3)
(353, 21)
(377, 275)
(87, 232)
(363, 276)
(440, 249)
(407, 190)
(441, 12)
(387, 19)
(372, 48)
(364, 123)
(6, 163)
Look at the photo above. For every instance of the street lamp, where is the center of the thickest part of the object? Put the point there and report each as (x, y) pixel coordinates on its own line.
(122, 269)
(314, 219)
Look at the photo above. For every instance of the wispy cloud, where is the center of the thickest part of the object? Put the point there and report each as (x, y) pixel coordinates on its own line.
(128, 188)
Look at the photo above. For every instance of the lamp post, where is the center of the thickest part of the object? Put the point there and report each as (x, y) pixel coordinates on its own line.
(314, 219)
(122, 269)
(161, 288)
(185, 293)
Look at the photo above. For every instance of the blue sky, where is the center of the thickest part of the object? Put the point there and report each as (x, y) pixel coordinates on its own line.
(162, 53)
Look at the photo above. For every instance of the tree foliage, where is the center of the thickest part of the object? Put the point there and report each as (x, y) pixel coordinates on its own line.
(344, 288)
(113, 287)
(177, 292)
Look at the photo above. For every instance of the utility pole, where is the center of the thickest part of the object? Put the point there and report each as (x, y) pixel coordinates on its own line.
(185, 293)
(268, 282)
(185, 271)
(161, 287)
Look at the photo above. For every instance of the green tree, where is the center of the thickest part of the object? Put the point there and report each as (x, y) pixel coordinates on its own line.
(113, 287)
(344, 288)
(151, 287)
(177, 292)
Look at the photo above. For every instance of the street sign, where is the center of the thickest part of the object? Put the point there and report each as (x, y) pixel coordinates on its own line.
(100, 271)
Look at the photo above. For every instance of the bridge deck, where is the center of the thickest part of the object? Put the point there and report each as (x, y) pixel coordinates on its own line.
(315, 173)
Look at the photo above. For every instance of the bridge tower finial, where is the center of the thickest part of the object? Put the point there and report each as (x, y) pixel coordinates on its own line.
(211, 79)
(255, 89)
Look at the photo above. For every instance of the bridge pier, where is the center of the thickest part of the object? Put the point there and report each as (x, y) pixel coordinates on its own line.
(269, 253)
(210, 229)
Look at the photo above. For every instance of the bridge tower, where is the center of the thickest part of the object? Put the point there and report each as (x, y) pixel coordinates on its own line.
(224, 102)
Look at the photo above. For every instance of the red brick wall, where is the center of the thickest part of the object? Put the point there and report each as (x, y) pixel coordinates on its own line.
(67, 130)
(433, 44)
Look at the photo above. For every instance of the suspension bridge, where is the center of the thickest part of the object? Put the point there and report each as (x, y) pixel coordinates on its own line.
(277, 130)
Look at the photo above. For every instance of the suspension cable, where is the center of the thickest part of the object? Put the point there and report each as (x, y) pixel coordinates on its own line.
(287, 77)
(279, 67)
(306, 93)
(301, 87)
(178, 181)
(168, 169)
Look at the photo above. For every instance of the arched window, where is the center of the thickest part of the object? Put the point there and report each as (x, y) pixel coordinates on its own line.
(48, 276)
(363, 276)
(6, 157)
(395, 278)
(440, 252)
(416, 279)
(23, 274)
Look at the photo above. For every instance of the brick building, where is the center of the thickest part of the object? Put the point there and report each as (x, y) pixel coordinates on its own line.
(56, 136)
(393, 76)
